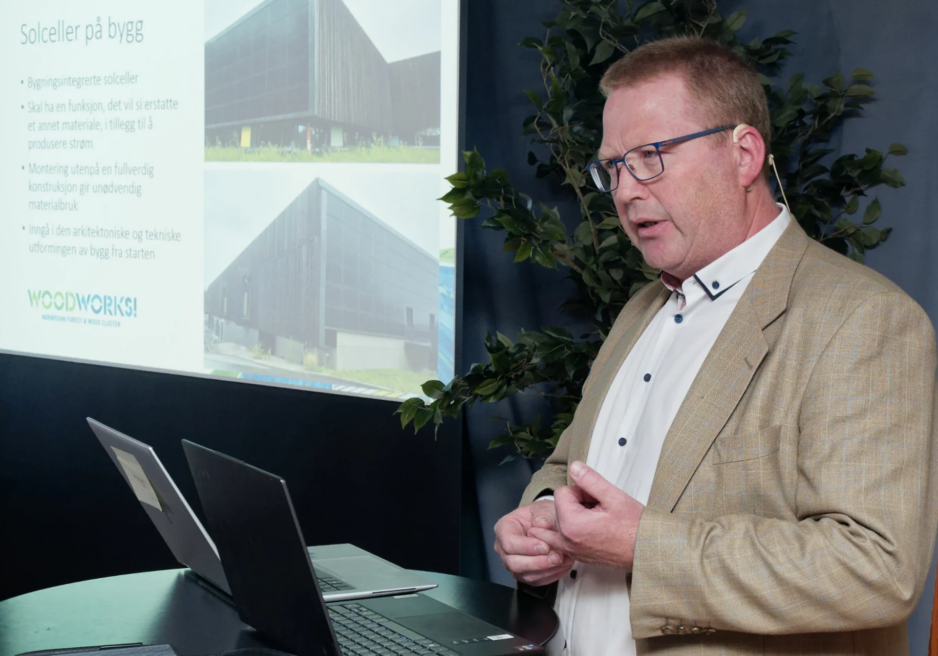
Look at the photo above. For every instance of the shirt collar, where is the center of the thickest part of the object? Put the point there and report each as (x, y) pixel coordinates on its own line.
(733, 266)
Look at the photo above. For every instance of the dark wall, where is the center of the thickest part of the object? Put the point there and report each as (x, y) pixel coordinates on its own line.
(894, 40)
(66, 514)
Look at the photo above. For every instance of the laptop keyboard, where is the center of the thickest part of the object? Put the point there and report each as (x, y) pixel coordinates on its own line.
(332, 584)
(365, 633)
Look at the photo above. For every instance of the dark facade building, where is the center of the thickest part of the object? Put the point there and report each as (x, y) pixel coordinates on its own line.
(415, 97)
(327, 278)
(292, 70)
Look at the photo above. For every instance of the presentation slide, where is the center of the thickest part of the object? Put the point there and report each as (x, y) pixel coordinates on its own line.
(240, 189)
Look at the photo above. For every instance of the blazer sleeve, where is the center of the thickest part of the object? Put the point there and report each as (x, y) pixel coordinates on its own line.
(866, 502)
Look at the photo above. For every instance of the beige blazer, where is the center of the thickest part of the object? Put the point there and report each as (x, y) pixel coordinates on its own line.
(795, 504)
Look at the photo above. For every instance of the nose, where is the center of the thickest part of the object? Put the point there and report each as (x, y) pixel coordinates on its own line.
(628, 189)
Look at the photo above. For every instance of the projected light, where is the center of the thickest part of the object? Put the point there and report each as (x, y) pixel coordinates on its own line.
(244, 190)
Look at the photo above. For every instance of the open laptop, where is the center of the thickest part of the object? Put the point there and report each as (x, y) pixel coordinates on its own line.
(344, 570)
(251, 515)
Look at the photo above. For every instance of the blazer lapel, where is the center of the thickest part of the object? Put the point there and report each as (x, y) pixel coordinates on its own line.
(727, 371)
(618, 345)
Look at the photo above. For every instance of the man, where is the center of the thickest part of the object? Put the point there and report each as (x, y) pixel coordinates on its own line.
(758, 427)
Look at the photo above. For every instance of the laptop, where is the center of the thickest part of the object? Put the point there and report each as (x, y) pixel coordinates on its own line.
(251, 515)
(344, 570)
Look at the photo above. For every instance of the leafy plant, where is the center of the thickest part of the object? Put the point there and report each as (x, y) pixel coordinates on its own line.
(581, 42)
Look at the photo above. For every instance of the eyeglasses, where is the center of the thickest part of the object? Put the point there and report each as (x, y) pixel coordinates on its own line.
(643, 162)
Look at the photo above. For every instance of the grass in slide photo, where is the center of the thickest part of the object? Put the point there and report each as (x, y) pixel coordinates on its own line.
(379, 154)
(395, 379)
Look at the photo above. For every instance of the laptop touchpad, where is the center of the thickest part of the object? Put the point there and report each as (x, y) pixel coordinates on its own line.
(449, 626)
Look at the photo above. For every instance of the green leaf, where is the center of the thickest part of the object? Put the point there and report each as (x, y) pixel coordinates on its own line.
(453, 195)
(873, 212)
(603, 52)
(488, 387)
(897, 149)
(458, 180)
(860, 90)
(583, 234)
(534, 98)
(474, 162)
(785, 116)
(861, 74)
(559, 333)
(892, 178)
(504, 340)
(465, 209)
(609, 241)
(836, 82)
(648, 10)
(407, 414)
(524, 251)
(736, 20)
(511, 245)
(544, 257)
(835, 106)
(433, 389)
(573, 56)
(852, 205)
(422, 417)
(868, 236)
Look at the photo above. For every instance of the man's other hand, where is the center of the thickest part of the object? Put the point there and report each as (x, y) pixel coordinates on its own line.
(596, 522)
(529, 559)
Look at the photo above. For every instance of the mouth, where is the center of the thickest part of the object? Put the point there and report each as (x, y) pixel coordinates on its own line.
(648, 228)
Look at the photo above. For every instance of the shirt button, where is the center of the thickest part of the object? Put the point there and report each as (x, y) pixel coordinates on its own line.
(622, 441)
(647, 377)
(678, 319)
(573, 574)
(716, 285)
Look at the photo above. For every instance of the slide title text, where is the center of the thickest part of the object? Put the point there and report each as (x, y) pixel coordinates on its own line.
(60, 32)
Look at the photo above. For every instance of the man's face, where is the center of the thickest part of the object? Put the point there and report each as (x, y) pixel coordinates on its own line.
(684, 219)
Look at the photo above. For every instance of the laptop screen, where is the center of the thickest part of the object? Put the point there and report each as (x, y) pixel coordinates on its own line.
(262, 549)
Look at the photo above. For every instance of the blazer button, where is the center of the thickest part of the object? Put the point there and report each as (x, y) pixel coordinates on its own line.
(681, 630)
(667, 630)
(709, 631)
(694, 630)
(573, 574)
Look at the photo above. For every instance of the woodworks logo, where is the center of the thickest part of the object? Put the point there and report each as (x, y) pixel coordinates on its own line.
(98, 304)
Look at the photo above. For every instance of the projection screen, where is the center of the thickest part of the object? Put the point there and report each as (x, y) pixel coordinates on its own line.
(240, 189)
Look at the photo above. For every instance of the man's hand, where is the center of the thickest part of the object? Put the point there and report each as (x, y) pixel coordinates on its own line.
(530, 560)
(596, 521)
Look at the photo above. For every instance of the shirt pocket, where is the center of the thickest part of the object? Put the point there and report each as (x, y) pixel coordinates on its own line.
(747, 474)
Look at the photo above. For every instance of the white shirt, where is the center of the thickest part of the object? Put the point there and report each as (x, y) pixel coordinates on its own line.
(635, 417)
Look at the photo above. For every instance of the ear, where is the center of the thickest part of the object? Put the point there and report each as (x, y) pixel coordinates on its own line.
(750, 154)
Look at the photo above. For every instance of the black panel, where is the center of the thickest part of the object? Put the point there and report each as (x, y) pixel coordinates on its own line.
(67, 515)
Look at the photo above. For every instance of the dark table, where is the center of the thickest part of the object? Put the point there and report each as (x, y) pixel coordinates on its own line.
(174, 607)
